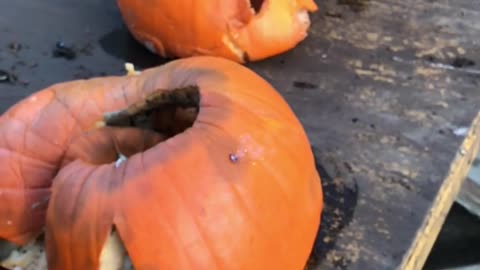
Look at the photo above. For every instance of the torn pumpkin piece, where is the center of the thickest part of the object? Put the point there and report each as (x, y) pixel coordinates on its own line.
(241, 30)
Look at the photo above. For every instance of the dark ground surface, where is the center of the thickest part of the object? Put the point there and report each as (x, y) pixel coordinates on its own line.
(380, 87)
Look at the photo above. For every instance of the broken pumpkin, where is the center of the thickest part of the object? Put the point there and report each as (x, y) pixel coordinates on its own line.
(241, 30)
(196, 164)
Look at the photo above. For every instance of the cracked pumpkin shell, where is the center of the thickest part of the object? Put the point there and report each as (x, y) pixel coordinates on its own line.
(241, 30)
(196, 164)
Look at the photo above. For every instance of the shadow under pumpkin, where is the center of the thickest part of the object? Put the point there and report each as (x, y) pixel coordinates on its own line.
(340, 199)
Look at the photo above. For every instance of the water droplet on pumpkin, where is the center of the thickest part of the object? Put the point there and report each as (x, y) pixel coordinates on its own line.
(248, 145)
(233, 158)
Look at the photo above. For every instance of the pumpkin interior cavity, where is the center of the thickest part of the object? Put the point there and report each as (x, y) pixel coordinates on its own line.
(168, 112)
(165, 112)
(256, 5)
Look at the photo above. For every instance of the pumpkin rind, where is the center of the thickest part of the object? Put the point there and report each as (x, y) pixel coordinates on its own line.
(225, 28)
(183, 203)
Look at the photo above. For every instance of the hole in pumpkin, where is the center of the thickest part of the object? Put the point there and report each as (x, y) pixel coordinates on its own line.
(114, 256)
(161, 115)
(165, 112)
(256, 5)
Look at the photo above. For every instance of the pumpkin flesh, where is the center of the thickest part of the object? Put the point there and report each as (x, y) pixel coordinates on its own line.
(217, 189)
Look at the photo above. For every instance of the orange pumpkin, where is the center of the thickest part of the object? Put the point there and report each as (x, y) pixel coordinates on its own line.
(196, 164)
(240, 30)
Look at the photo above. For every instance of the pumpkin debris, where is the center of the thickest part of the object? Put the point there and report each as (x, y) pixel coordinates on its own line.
(130, 68)
(240, 30)
(63, 51)
(7, 77)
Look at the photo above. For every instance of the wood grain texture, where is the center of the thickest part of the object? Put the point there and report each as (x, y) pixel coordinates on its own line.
(381, 87)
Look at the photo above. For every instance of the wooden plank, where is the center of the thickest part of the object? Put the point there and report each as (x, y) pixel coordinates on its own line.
(426, 235)
(389, 84)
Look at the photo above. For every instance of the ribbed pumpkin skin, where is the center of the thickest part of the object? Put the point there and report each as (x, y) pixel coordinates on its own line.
(225, 28)
(181, 204)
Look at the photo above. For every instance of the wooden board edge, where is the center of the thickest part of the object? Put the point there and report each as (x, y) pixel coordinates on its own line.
(420, 249)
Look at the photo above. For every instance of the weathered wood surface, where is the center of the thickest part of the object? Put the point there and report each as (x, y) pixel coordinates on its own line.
(384, 89)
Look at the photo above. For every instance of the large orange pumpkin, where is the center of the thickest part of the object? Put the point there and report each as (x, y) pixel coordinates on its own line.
(240, 30)
(197, 164)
